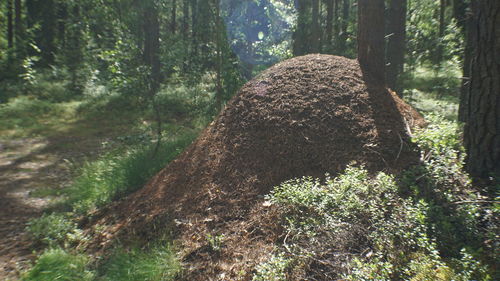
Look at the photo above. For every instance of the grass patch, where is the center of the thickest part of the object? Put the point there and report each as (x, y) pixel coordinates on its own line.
(155, 263)
(119, 173)
(25, 116)
(158, 263)
(58, 264)
(436, 92)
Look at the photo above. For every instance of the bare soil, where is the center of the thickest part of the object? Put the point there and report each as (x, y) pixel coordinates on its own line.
(306, 116)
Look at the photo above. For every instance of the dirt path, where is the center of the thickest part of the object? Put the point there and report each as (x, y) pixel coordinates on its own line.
(27, 165)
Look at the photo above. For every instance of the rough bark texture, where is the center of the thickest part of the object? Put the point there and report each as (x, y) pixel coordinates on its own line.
(466, 68)
(482, 130)
(396, 29)
(371, 38)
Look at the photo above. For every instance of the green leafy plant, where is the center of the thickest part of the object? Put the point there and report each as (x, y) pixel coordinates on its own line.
(274, 269)
(55, 230)
(215, 241)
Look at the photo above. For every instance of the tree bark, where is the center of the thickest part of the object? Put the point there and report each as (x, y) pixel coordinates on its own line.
(18, 26)
(466, 69)
(482, 129)
(300, 34)
(396, 29)
(343, 29)
(371, 39)
(151, 27)
(329, 24)
(10, 25)
(439, 50)
(316, 32)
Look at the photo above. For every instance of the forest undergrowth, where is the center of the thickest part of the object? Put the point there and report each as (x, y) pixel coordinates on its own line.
(431, 223)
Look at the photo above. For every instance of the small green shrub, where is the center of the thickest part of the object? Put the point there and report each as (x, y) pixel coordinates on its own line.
(274, 269)
(55, 230)
(156, 264)
(119, 173)
(375, 233)
(57, 264)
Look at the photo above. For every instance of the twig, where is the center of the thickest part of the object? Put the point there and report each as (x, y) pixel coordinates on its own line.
(476, 202)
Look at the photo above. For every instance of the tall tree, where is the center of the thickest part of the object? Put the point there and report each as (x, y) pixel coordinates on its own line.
(173, 23)
(371, 38)
(396, 30)
(19, 27)
(10, 25)
(482, 127)
(329, 24)
(315, 28)
(185, 19)
(300, 36)
(442, 26)
(342, 41)
(151, 53)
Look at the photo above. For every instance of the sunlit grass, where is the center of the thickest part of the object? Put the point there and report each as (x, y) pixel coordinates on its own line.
(120, 172)
(58, 264)
(157, 263)
(28, 117)
(435, 91)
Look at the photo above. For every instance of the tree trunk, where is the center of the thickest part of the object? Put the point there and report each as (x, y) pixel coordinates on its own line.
(19, 27)
(152, 44)
(300, 34)
(482, 130)
(464, 90)
(194, 24)
(329, 24)
(10, 25)
(345, 23)
(218, 30)
(316, 32)
(173, 23)
(371, 39)
(62, 17)
(185, 20)
(396, 28)
(439, 50)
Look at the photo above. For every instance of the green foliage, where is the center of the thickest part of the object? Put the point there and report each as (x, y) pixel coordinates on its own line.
(57, 264)
(158, 263)
(423, 34)
(55, 230)
(274, 269)
(442, 151)
(215, 241)
(456, 217)
(389, 237)
(119, 173)
(27, 116)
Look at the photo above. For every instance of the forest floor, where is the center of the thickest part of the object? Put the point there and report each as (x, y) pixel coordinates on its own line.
(32, 166)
